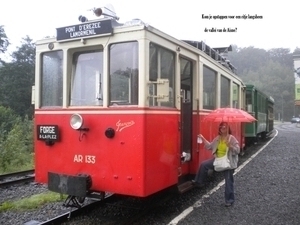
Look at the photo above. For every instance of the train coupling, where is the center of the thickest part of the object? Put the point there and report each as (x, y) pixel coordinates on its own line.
(76, 187)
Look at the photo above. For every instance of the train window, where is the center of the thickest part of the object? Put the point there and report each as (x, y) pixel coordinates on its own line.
(235, 96)
(209, 88)
(257, 101)
(52, 79)
(225, 91)
(186, 79)
(249, 100)
(87, 79)
(162, 66)
(261, 106)
(124, 74)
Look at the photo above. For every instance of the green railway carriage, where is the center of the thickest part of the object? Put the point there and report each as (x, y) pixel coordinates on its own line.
(261, 106)
(270, 112)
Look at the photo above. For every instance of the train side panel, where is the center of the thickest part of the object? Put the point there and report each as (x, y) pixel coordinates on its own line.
(260, 106)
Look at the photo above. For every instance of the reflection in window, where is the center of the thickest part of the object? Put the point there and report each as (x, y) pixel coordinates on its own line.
(225, 94)
(235, 96)
(52, 79)
(209, 88)
(162, 66)
(123, 70)
(87, 79)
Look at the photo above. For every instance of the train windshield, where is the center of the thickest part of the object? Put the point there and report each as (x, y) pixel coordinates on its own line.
(87, 79)
(123, 74)
(52, 79)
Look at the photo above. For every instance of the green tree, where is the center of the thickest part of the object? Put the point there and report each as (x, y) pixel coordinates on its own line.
(281, 55)
(26, 53)
(4, 43)
(296, 51)
(17, 149)
(7, 120)
(270, 71)
(247, 59)
(17, 78)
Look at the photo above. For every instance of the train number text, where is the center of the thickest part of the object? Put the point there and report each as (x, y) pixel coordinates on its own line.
(85, 159)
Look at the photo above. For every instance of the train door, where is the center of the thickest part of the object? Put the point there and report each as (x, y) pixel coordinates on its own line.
(186, 108)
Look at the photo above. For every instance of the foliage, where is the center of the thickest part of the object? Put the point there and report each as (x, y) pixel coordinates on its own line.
(17, 78)
(16, 110)
(16, 148)
(26, 53)
(270, 71)
(7, 119)
(4, 43)
(296, 51)
(247, 59)
(31, 202)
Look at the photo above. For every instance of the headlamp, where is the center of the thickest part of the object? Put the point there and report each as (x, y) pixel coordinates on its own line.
(76, 121)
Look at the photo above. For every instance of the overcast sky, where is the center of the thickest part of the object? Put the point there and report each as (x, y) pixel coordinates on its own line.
(258, 23)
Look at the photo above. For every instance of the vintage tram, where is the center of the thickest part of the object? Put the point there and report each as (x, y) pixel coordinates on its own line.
(260, 106)
(118, 107)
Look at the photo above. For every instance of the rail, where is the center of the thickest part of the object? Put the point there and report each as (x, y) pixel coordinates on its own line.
(10, 179)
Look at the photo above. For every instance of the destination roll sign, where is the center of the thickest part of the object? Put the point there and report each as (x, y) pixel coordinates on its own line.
(47, 132)
(84, 30)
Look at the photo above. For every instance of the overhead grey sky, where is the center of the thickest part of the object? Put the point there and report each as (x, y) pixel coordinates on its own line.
(262, 24)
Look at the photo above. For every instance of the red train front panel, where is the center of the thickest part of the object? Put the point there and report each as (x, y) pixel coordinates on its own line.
(140, 159)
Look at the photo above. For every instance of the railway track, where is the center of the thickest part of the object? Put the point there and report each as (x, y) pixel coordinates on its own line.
(21, 177)
(74, 212)
(133, 209)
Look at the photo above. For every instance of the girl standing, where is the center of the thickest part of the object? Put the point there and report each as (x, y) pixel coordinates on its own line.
(218, 147)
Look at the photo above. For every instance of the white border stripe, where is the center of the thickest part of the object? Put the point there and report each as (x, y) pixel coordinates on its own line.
(182, 215)
(105, 112)
(198, 203)
(114, 111)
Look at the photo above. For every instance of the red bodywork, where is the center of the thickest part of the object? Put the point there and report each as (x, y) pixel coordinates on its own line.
(142, 158)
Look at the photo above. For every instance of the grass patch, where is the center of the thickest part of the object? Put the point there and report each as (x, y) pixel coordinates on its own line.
(32, 202)
(13, 168)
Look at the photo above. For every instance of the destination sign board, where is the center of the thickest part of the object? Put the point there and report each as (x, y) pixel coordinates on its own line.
(47, 132)
(84, 30)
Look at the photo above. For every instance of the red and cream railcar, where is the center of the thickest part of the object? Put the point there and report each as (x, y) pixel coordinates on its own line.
(118, 108)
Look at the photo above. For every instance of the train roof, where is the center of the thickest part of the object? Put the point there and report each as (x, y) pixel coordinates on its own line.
(217, 54)
(252, 86)
(108, 25)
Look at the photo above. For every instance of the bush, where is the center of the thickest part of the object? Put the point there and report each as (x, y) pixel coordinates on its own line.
(16, 143)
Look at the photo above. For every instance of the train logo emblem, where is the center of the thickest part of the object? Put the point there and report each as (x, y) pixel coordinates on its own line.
(122, 125)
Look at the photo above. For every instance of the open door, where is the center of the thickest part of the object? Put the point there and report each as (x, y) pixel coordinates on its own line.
(186, 118)
(186, 130)
(186, 109)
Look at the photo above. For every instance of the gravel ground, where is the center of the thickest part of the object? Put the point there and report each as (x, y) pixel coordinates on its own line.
(267, 188)
(266, 193)
(19, 192)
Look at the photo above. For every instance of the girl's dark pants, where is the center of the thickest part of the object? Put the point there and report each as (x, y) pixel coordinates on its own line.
(228, 175)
